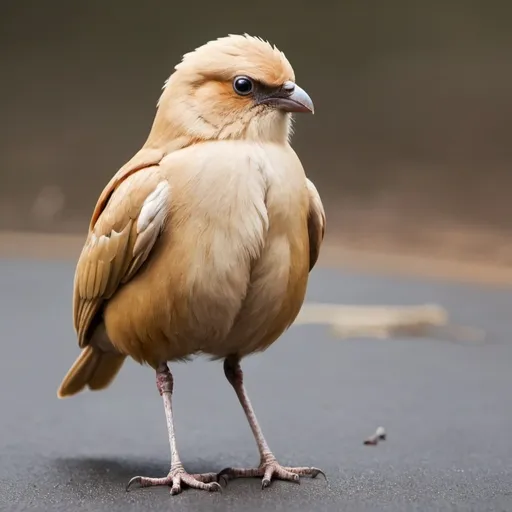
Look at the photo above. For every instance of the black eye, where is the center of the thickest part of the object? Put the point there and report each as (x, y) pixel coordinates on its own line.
(243, 85)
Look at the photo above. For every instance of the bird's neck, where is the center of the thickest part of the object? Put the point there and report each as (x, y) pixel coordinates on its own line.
(168, 136)
(275, 129)
(172, 132)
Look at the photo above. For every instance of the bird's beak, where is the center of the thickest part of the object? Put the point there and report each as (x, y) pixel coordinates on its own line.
(291, 98)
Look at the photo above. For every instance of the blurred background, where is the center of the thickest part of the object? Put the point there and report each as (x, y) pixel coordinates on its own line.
(409, 146)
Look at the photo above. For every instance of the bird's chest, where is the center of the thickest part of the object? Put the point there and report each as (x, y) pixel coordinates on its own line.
(275, 280)
(277, 283)
(242, 253)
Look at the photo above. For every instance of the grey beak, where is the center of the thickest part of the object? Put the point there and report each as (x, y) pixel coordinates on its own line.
(291, 98)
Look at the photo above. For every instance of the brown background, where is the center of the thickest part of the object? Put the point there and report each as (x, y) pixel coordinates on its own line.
(409, 146)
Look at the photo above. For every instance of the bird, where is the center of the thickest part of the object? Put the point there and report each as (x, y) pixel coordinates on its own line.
(203, 242)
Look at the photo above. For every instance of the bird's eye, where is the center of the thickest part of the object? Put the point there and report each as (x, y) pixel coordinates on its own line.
(243, 85)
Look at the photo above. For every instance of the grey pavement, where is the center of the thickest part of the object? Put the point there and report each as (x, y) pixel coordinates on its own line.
(447, 408)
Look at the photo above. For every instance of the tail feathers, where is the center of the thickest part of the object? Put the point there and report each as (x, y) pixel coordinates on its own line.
(93, 368)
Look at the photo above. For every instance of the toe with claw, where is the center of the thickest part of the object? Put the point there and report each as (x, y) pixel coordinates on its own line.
(269, 470)
(179, 478)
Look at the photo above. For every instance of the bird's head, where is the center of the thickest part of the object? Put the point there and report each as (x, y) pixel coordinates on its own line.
(235, 87)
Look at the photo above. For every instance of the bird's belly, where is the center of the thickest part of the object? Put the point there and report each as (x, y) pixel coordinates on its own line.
(273, 300)
(158, 316)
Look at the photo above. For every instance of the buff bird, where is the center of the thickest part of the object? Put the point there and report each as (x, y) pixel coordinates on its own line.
(203, 242)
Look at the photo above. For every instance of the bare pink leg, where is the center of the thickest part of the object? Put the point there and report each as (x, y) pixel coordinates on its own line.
(269, 467)
(177, 475)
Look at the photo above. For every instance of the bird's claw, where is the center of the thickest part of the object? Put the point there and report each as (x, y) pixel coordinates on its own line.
(175, 479)
(317, 471)
(135, 479)
(269, 470)
(224, 479)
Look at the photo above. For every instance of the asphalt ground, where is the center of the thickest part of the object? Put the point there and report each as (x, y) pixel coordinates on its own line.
(446, 406)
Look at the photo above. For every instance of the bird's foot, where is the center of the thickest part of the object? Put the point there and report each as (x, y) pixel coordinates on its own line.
(269, 469)
(177, 478)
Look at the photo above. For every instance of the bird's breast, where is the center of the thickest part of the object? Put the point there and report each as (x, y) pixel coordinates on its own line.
(254, 270)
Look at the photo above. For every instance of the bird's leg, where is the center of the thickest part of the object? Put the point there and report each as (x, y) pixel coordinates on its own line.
(269, 467)
(177, 475)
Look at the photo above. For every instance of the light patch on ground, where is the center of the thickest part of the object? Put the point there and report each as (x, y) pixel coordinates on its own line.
(428, 320)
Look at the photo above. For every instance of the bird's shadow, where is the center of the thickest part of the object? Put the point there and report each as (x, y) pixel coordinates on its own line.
(109, 474)
(120, 470)
(116, 469)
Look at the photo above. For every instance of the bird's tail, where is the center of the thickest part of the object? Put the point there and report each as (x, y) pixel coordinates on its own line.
(93, 368)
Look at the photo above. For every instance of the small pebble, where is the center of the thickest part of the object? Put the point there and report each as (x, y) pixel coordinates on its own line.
(380, 435)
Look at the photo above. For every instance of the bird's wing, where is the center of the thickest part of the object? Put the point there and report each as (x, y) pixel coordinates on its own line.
(145, 158)
(126, 223)
(316, 223)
